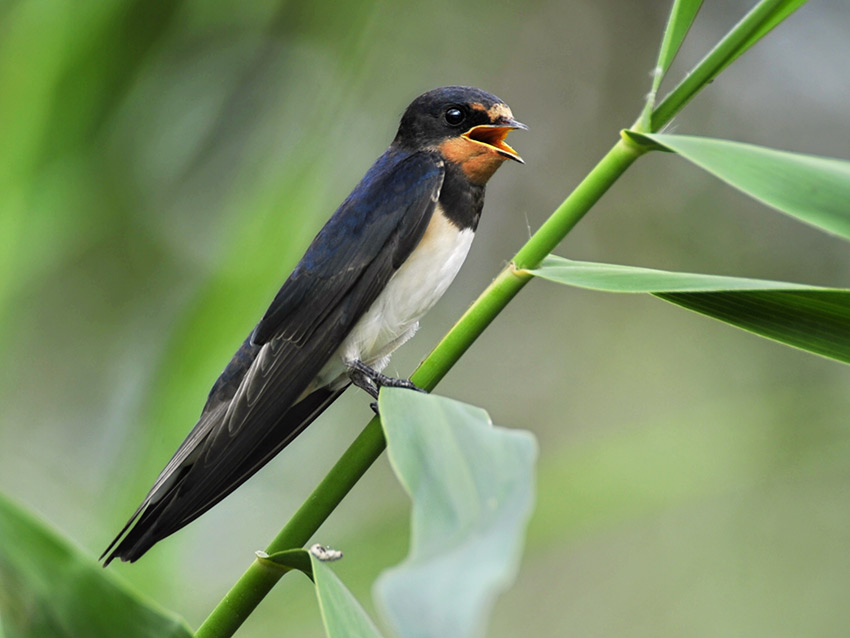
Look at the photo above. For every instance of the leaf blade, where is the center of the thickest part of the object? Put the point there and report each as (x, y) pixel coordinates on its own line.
(342, 615)
(816, 322)
(809, 318)
(760, 20)
(289, 559)
(810, 188)
(472, 490)
(682, 16)
(51, 588)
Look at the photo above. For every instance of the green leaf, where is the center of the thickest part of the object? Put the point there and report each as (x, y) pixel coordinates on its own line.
(472, 488)
(297, 559)
(50, 589)
(681, 18)
(755, 25)
(806, 317)
(813, 189)
(342, 615)
(616, 278)
(678, 24)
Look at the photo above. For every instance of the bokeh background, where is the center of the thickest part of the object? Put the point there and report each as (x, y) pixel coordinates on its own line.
(164, 164)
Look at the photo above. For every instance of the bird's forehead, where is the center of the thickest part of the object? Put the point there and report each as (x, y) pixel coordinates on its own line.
(495, 112)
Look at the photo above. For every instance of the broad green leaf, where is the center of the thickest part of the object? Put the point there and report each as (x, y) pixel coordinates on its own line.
(342, 615)
(472, 486)
(806, 317)
(50, 589)
(813, 189)
(678, 24)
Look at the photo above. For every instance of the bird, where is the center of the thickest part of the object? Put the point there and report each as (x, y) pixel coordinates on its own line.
(382, 260)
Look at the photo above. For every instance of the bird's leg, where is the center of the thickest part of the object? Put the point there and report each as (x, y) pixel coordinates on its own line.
(363, 380)
(370, 380)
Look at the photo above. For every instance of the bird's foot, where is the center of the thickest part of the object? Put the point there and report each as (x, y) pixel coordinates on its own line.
(367, 378)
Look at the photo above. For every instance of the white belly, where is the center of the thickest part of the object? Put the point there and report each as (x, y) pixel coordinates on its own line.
(415, 287)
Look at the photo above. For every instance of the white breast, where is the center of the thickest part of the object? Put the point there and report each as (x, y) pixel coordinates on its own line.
(415, 287)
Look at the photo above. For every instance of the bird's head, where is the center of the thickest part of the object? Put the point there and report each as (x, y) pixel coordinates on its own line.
(466, 125)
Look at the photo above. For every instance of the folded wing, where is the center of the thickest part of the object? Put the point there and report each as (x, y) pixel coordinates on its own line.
(256, 406)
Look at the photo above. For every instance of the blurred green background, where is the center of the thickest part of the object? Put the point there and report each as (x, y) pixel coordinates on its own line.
(164, 164)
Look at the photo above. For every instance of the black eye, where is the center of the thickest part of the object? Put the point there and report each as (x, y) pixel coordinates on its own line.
(454, 116)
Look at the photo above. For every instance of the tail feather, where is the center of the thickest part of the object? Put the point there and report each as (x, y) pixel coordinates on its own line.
(161, 515)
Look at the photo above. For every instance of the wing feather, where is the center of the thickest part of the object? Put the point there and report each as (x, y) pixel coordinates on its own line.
(386, 203)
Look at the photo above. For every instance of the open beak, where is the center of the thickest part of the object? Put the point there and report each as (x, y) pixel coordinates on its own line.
(493, 135)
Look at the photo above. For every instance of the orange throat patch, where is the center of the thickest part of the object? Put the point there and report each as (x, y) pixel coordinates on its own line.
(478, 161)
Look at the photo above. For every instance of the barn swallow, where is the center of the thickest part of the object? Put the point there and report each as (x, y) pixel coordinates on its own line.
(377, 266)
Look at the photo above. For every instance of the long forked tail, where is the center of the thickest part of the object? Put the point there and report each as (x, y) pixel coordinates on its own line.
(191, 491)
